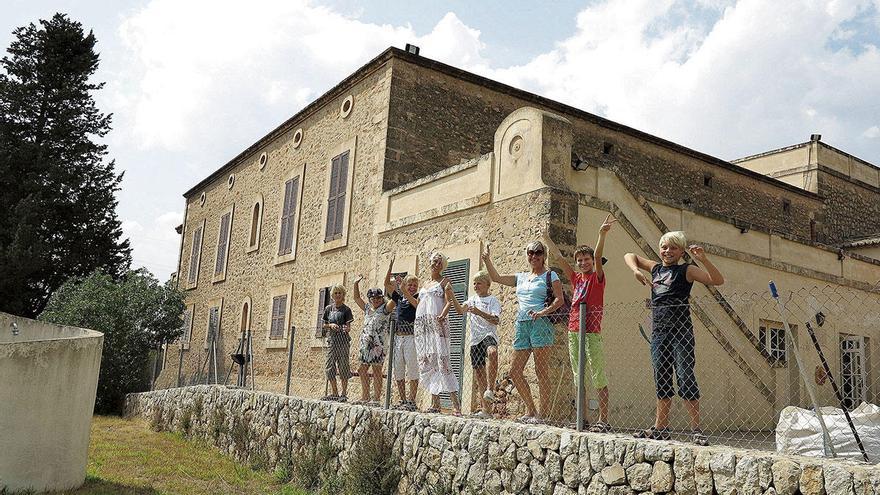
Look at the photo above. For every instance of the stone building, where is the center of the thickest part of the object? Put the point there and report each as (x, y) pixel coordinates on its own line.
(408, 155)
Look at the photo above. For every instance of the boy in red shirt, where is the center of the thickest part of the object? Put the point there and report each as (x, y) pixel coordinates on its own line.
(588, 285)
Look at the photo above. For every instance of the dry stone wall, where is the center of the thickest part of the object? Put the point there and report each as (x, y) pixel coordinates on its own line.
(463, 455)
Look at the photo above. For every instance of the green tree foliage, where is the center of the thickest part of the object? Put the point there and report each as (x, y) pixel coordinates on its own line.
(57, 205)
(136, 314)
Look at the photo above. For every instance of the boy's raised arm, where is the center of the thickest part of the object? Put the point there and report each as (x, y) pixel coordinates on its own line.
(710, 276)
(636, 263)
(600, 245)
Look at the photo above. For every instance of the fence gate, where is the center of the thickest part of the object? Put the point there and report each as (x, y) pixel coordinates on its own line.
(458, 273)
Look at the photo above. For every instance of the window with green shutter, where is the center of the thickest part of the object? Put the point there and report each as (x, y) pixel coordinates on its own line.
(458, 273)
(288, 215)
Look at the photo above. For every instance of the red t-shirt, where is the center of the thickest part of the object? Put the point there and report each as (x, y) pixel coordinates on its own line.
(588, 287)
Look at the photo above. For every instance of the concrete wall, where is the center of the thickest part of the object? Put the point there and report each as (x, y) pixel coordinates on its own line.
(48, 381)
(444, 454)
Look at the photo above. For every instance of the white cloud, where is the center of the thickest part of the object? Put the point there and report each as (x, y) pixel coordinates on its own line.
(739, 86)
(872, 132)
(156, 245)
(206, 61)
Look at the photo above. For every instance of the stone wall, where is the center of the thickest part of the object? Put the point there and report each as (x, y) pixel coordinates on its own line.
(462, 455)
(852, 209)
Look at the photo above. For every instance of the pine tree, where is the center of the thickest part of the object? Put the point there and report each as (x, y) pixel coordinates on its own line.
(57, 194)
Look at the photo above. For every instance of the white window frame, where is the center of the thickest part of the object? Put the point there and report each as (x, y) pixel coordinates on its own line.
(858, 351)
(770, 327)
(296, 172)
(221, 276)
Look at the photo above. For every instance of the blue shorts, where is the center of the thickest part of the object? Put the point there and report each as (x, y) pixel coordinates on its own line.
(673, 352)
(533, 334)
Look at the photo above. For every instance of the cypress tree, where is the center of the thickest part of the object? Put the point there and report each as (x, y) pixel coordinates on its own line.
(57, 192)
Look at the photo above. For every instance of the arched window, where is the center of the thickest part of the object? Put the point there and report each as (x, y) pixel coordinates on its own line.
(256, 221)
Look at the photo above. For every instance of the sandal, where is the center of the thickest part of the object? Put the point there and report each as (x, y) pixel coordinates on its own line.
(432, 410)
(330, 397)
(700, 438)
(342, 398)
(654, 434)
(600, 427)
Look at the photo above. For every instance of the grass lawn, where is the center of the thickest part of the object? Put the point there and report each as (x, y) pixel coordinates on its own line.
(126, 457)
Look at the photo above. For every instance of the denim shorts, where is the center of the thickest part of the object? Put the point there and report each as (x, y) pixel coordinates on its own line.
(533, 334)
(673, 352)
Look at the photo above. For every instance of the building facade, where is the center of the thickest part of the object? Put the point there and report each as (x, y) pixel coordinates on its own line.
(408, 156)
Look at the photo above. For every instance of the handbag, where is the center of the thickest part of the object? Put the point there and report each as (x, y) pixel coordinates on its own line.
(562, 312)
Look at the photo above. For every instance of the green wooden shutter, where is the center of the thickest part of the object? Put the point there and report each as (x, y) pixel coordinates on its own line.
(222, 241)
(194, 256)
(458, 273)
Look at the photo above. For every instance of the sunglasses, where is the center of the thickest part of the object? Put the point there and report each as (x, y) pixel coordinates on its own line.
(535, 253)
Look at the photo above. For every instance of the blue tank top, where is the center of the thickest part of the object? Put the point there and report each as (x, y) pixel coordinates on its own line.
(670, 293)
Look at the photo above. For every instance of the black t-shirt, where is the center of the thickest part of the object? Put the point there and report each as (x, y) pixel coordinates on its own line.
(341, 316)
(670, 293)
(406, 312)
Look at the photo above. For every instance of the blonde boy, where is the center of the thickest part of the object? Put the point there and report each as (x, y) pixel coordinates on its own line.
(483, 311)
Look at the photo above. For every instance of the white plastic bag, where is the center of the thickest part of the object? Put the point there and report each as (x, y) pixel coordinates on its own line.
(799, 432)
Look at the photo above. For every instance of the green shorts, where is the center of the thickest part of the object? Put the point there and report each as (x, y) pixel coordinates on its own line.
(595, 359)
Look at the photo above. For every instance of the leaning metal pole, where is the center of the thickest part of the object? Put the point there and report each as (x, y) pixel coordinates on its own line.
(582, 356)
(392, 327)
(797, 355)
(849, 420)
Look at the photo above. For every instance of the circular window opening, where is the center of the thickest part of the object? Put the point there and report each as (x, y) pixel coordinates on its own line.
(264, 159)
(297, 138)
(345, 108)
(230, 181)
(202, 199)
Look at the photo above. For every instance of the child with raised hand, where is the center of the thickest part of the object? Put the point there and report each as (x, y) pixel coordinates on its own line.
(672, 340)
(483, 311)
(372, 343)
(405, 367)
(588, 286)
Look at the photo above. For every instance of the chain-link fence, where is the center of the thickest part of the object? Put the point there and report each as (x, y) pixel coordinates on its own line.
(741, 369)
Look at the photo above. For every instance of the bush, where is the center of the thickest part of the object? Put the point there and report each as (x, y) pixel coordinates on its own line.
(372, 467)
(135, 314)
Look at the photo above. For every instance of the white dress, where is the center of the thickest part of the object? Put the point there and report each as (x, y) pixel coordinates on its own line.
(432, 343)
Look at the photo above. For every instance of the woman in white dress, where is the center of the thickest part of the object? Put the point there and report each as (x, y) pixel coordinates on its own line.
(432, 336)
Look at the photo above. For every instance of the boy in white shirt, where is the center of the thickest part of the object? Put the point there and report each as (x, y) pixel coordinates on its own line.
(483, 310)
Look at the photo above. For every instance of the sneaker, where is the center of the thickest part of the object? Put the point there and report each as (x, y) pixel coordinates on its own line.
(700, 438)
(481, 415)
(342, 398)
(654, 434)
(600, 427)
(489, 395)
(330, 397)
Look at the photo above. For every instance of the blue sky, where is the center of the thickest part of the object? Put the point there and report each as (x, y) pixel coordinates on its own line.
(193, 82)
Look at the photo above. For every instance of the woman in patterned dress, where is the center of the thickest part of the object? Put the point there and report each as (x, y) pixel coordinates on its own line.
(432, 336)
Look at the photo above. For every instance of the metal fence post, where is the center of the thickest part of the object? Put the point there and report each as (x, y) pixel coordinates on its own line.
(582, 356)
(289, 359)
(392, 327)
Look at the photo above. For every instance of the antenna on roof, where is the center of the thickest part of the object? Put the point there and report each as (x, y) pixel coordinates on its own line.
(412, 49)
